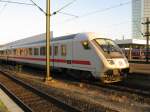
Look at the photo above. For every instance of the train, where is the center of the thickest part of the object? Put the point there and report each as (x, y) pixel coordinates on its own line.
(83, 55)
(137, 53)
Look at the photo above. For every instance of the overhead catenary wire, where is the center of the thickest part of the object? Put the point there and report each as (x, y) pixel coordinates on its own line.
(58, 11)
(97, 11)
(68, 14)
(14, 2)
(38, 7)
(100, 11)
(34, 4)
(106, 9)
(65, 6)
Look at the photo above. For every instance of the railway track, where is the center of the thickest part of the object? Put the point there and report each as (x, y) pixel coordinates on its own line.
(31, 99)
(133, 89)
(138, 94)
(130, 88)
(123, 87)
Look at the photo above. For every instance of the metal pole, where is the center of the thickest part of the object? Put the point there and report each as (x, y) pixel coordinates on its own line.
(147, 39)
(48, 76)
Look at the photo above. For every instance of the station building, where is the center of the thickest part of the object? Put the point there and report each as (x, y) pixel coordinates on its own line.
(140, 11)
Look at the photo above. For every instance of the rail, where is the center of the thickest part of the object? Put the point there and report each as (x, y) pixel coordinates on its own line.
(23, 106)
(55, 101)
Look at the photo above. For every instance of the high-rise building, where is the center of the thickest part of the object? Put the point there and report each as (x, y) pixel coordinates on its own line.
(140, 11)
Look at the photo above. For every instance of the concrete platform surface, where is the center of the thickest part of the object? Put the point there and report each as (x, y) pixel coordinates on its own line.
(140, 68)
(9, 103)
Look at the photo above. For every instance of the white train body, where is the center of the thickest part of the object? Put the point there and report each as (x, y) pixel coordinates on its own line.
(86, 52)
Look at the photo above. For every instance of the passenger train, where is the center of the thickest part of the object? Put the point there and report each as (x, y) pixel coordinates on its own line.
(137, 53)
(86, 55)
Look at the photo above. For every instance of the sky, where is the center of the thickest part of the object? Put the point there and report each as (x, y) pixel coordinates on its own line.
(20, 21)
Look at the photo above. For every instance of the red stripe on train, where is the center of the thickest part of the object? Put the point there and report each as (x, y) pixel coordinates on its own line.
(55, 60)
(81, 62)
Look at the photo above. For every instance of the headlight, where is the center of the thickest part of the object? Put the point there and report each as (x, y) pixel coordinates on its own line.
(111, 62)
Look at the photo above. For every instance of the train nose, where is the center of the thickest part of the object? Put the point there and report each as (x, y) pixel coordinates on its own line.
(111, 76)
(115, 75)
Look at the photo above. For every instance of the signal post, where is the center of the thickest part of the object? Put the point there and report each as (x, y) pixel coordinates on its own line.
(147, 34)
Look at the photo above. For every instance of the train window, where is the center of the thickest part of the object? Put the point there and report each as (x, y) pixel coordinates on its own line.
(21, 52)
(17, 52)
(36, 51)
(30, 51)
(25, 52)
(50, 50)
(14, 51)
(85, 45)
(63, 50)
(42, 51)
(55, 50)
(11, 52)
(6, 52)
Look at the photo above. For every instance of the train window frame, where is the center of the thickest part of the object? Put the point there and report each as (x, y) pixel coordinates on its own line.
(63, 50)
(34, 51)
(86, 45)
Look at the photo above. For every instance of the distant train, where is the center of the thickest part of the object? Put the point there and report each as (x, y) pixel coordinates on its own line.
(85, 55)
(136, 53)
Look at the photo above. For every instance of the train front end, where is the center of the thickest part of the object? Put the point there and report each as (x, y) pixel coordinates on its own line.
(115, 65)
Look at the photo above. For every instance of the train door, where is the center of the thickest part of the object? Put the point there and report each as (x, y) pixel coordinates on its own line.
(52, 56)
(65, 57)
(68, 50)
(56, 55)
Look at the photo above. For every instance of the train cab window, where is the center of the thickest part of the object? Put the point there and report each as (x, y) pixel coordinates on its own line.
(36, 51)
(85, 45)
(55, 50)
(42, 51)
(63, 50)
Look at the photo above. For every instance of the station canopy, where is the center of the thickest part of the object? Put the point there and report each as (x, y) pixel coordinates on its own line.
(133, 43)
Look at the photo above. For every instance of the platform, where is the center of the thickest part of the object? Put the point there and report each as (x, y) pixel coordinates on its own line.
(10, 105)
(140, 68)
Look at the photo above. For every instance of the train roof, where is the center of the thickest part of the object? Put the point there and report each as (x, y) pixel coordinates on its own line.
(37, 39)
